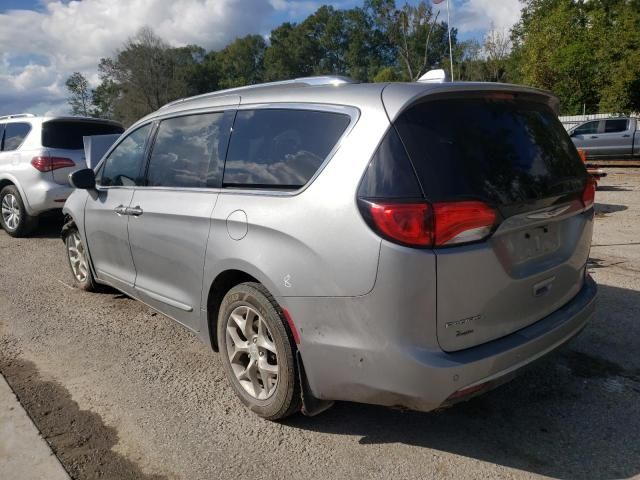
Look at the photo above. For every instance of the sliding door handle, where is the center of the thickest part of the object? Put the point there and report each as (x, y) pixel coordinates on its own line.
(134, 211)
(120, 210)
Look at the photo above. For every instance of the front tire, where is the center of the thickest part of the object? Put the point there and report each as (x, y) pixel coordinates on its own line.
(258, 352)
(79, 261)
(13, 216)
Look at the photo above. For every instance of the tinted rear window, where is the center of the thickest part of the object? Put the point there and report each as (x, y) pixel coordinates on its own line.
(68, 134)
(280, 148)
(501, 151)
(618, 125)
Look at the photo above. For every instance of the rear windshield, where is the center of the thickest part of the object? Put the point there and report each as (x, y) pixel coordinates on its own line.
(68, 134)
(503, 151)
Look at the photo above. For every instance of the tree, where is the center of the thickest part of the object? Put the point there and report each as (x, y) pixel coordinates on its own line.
(497, 51)
(241, 62)
(80, 97)
(145, 74)
(586, 52)
(418, 39)
(554, 45)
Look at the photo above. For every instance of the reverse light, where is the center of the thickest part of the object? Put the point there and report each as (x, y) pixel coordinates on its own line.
(48, 164)
(461, 222)
(589, 193)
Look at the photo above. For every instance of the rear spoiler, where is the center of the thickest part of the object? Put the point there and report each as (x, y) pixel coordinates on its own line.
(396, 97)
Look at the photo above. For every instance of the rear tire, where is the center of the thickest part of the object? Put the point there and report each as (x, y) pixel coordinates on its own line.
(78, 259)
(258, 352)
(13, 216)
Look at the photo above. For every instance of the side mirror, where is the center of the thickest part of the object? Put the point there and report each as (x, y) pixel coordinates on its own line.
(84, 179)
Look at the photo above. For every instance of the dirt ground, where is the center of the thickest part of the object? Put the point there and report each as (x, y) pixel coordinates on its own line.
(122, 392)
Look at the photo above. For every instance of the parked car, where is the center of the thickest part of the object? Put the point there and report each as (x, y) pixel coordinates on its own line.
(36, 156)
(610, 139)
(405, 244)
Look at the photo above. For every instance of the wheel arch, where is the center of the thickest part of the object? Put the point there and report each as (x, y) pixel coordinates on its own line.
(222, 283)
(7, 180)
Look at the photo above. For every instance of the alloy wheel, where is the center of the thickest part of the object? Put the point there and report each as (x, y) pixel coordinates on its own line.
(77, 257)
(252, 352)
(10, 211)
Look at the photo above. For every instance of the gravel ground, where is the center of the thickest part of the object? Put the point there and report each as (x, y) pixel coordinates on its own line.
(122, 392)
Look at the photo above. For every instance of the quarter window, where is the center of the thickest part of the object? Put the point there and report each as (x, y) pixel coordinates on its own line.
(614, 126)
(14, 135)
(124, 164)
(278, 148)
(188, 152)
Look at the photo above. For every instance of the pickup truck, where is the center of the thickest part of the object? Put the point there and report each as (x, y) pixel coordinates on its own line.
(608, 139)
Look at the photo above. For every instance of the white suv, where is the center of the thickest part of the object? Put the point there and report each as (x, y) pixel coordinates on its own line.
(36, 156)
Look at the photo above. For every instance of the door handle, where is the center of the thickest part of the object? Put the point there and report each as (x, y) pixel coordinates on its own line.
(120, 210)
(626, 136)
(594, 136)
(135, 211)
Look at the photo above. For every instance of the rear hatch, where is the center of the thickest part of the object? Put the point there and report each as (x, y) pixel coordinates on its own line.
(62, 139)
(509, 152)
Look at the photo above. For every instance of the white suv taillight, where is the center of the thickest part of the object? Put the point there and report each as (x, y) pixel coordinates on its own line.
(47, 164)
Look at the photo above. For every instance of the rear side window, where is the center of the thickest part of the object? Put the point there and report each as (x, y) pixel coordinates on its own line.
(613, 126)
(390, 174)
(188, 152)
(500, 151)
(68, 135)
(278, 148)
(14, 135)
(587, 128)
(123, 166)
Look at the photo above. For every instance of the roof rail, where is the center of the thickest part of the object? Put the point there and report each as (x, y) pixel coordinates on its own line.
(302, 81)
(17, 115)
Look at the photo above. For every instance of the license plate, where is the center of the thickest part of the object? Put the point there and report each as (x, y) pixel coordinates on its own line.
(538, 242)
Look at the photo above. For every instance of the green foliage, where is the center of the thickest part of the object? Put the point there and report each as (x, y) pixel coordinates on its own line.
(241, 62)
(586, 52)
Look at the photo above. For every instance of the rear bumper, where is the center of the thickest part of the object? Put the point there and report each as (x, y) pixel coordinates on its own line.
(394, 372)
(45, 195)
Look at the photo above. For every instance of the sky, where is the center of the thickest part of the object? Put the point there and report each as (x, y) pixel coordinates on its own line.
(42, 42)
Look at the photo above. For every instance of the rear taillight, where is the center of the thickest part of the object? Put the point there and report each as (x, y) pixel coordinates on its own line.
(47, 164)
(589, 193)
(421, 224)
(461, 222)
(408, 223)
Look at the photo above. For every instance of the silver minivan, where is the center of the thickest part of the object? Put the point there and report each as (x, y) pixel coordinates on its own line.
(401, 244)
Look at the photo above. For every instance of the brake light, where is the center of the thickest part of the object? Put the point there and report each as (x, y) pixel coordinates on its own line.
(459, 222)
(408, 223)
(47, 164)
(589, 193)
(423, 225)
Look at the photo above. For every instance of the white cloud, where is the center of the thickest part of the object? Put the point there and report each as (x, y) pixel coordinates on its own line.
(68, 36)
(471, 16)
(40, 49)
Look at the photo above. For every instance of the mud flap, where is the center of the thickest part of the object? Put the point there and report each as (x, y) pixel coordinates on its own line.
(311, 406)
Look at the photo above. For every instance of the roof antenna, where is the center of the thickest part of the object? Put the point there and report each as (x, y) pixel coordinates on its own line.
(434, 76)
